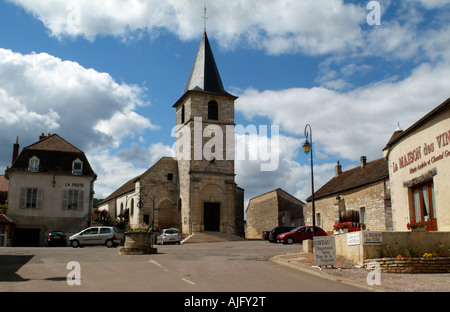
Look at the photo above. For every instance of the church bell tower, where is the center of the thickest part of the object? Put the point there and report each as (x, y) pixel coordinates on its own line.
(205, 150)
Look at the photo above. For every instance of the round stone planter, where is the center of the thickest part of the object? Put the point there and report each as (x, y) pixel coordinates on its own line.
(137, 243)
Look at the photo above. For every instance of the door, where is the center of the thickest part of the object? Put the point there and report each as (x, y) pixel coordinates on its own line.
(211, 217)
(26, 237)
(3, 237)
(424, 205)
(90, 236)
(303, 233)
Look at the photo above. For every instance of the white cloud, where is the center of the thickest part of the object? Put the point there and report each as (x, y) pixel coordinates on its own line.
(318, 26)
(41, 93)
(354, 123)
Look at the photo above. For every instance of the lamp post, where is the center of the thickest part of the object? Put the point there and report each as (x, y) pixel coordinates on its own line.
(307, 147)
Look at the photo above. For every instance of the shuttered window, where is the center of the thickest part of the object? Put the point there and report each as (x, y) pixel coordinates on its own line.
(31, 198)
(72, 200)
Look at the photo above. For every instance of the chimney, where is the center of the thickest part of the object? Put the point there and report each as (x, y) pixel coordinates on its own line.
(42, 136)
(338, 169)
(15, 150)
(363, 161)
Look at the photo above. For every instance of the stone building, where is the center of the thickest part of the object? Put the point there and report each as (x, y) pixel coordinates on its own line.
(196, 191)
(51, 186)
(419, 170)
(361, 194)
(275, 208)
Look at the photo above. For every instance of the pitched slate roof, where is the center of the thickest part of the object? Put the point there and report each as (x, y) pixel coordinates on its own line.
(373, 171)
(205, 75)
(55, 155)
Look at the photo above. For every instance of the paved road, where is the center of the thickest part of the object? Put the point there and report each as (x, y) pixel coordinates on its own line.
(240, 266)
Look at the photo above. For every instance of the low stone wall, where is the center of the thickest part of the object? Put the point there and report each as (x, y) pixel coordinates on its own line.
(393, 244)
(412, 265)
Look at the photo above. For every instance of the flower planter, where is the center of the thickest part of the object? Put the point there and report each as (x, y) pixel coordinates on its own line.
(137, 243)
(420, 229)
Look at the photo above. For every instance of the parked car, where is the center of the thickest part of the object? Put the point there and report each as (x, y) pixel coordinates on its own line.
(265, 234)
(277, 231)
(299, 234)
(168, 236)
(56, 238)
(97, 235)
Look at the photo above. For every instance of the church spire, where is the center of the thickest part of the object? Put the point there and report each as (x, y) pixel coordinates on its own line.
(205, 75)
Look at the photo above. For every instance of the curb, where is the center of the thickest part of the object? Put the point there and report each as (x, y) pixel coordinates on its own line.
(307, 269)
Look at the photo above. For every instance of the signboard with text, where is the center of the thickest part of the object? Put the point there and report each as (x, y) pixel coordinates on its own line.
(372, 238)
(324, 250)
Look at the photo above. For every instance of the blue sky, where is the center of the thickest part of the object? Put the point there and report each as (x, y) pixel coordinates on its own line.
(105, 77)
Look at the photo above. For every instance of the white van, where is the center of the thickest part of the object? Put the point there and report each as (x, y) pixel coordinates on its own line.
(96, 235)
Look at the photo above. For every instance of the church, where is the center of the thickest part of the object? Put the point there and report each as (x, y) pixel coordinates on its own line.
(196, 190)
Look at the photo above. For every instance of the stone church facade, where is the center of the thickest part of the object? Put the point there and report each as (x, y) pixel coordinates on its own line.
(196, 190)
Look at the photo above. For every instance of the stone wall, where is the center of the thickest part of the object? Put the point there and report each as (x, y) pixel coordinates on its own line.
(393, 244)
(371, 197)
(276, 208)
(412, 265)
(262, 214)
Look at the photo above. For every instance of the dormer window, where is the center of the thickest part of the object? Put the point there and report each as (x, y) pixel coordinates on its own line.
(77, 167)
(33, 165)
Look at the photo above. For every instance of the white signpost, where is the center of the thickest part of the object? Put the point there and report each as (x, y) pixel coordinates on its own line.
(324, 250)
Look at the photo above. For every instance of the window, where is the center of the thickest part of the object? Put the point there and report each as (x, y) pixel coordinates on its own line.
(318, 219)
(182, 114)
(72, 200)
(424, 208)
(33, 165)
(105, 230)
(30, 197)
(213, 110)
(77, 167)
(170, 177)
(362, 215)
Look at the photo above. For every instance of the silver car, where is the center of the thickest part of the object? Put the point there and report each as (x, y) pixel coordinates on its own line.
(169, 236)
(96, 235)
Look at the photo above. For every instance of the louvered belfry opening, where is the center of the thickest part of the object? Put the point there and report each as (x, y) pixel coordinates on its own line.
(213, 110)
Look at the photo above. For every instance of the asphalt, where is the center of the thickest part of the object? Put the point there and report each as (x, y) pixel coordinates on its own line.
(305, 262)
(347, 272)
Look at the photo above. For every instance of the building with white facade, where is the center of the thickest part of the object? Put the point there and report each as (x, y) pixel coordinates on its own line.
(51, 187)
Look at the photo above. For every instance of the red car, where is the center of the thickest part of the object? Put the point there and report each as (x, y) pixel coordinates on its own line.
(299, 234)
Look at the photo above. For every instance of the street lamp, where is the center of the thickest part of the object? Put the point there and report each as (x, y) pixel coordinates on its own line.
(307, 147)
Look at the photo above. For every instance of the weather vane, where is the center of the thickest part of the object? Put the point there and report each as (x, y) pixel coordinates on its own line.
(204, 16)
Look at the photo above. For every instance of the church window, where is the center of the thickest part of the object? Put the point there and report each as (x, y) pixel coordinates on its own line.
(213, 110)
(183, 114)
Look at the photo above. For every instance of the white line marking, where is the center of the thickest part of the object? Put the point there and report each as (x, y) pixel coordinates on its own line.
(188, 281)
(157, 264)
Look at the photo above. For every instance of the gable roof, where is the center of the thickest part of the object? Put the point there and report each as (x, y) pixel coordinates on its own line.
(373, 171)
(55, 155)
(54, 143)
(398, 135)
(4, 184)
(124, 189)
(278, 192)
(130, 185)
